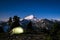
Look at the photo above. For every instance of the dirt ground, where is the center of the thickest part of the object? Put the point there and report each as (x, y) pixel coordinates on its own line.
(24, 36)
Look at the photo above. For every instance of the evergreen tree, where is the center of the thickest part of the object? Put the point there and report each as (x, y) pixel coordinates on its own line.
(15, 22)
(10, 21)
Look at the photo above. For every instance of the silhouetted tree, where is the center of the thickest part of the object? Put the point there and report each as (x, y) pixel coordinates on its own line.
(15, 22)
(10, 21)
(30, 28)
(1, 30)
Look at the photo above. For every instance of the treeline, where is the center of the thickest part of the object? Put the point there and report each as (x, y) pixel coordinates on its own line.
(14, 22)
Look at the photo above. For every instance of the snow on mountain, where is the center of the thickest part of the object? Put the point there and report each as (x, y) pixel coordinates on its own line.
(21, 19)
(32, 18)
(29, 17)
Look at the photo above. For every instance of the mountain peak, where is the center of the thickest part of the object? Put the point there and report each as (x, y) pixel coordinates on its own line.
(29, 17)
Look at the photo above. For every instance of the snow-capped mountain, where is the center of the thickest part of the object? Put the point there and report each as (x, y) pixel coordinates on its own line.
(37, 23)
(34, 19)
(29, 17)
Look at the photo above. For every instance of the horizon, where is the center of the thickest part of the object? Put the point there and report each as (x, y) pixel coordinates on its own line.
(49, 9)
(31, 16)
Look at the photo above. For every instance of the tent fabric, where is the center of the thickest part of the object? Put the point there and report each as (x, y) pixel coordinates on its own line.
(17, 30)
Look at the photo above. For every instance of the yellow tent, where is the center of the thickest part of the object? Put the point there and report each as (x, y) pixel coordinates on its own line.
(17, 30)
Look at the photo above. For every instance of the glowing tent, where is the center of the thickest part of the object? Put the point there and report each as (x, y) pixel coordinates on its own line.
(17, 30)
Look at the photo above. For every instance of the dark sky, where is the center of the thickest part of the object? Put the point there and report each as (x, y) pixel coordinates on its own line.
(40, 8)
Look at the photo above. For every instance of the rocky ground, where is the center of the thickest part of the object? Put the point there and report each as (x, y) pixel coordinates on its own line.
(24, 36)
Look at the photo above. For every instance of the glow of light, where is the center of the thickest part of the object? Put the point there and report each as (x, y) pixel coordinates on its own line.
(17, 30)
